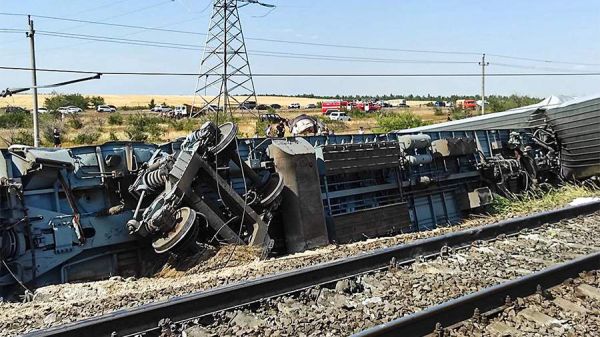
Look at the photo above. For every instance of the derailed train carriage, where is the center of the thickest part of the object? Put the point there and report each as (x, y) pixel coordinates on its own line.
(91, 212)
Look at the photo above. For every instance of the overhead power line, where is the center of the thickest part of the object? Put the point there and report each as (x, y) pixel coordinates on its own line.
(133, 73)
(543, 60)
(319, 44)
(183, 46)
(305, 56)
(12, 30)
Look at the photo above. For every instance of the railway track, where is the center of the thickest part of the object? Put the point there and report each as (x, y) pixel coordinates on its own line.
(470, 315)
(568, 308)
(373, 284)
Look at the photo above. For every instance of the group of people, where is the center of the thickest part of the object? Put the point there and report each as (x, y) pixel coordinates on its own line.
(278, 130)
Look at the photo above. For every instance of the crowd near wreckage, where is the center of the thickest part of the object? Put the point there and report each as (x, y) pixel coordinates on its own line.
(120, 208)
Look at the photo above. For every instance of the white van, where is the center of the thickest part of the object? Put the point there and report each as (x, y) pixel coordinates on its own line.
(339, 116)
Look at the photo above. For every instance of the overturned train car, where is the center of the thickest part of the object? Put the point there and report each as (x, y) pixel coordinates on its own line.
(89, 212)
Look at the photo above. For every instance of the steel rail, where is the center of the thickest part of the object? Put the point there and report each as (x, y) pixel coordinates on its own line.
(463, 308)
(202, 303)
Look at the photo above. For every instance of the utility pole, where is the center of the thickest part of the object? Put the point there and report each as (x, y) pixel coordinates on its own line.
(36, 127)
(483, 64)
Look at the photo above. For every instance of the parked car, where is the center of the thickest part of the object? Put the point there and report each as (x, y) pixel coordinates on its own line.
(311, 106)
(113, 107)
(40, 110)
(262, 107)
(271, 118)
(105, 108)
(294, 106)
(14, 109)
(276, 106)
(248, 105)
(69, 109)
(339, 116)
(161, 108)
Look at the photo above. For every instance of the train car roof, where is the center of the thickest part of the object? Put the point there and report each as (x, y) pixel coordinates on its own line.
(517, 118)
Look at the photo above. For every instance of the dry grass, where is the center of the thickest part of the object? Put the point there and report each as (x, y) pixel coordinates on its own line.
(538, 200)
(143, 100)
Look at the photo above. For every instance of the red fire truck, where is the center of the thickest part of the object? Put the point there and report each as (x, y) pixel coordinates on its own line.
(334, 105)
(367, 107)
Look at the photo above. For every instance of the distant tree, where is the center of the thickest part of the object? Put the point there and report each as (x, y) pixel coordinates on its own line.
(57, 100)
(399, 121)
(95, 100)
(152, 104)
(503, 103)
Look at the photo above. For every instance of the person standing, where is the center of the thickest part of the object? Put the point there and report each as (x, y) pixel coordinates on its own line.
(280, 130)
(56, 137)
(268, 130)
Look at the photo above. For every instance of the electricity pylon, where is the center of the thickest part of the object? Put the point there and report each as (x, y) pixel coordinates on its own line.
(225, 80)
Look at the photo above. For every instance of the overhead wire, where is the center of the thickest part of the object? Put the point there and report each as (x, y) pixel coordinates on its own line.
(183, 46)
(137, 10)
(531, 67)
(141, 73)
(542, 60)
(320, 44)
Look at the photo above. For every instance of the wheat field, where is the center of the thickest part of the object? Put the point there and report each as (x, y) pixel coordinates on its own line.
(26, 101)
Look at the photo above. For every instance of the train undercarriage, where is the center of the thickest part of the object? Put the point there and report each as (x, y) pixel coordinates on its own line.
(120, 208)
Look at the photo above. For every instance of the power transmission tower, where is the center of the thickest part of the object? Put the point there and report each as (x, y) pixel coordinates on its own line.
(36, 127)
(483, 64)
(225, 80)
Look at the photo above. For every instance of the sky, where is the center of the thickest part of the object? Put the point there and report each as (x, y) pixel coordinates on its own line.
(564, 32)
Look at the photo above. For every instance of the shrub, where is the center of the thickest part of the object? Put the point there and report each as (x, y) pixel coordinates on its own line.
(21, 137)
(98, 122)
(142, 127)
(438, 111)
(357, 113)
(185, 124)
(260, 127)
(75, 122)
(115, 119)
(86, 137)
(399, 121)
(15, 120)
(132, 107)
(152, 104)
(56, 101)
(95, 100)
(113, 137)
(457, 113)
(222, 118)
